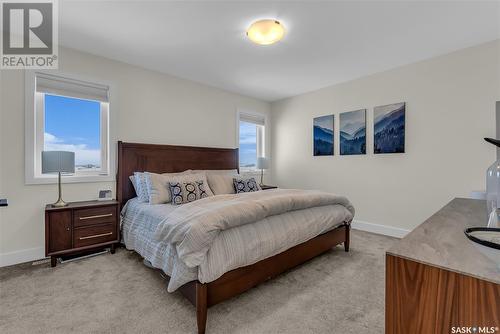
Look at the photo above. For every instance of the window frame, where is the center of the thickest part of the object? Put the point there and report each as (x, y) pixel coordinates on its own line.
(34, 134)
(261, 136)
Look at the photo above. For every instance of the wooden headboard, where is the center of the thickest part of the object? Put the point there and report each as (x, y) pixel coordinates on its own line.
(134, 157)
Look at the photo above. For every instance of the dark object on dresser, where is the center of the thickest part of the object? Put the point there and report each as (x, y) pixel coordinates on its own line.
(493, 141)
(134, 157)
(79, 227)
(267, 187)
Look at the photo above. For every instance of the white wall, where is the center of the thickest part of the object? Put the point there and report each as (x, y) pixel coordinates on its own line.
(498, 128)
(450, 108)
(151, 107)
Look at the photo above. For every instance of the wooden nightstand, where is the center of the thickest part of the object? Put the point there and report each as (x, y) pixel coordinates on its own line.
(79, 227)
(266, 187)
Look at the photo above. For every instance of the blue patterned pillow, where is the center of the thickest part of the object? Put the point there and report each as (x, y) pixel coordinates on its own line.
(185, 192)
(141, 188)
(242, 185)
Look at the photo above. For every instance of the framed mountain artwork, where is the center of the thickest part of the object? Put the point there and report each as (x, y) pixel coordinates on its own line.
(353, 132)
(389, 128)
(323, 135)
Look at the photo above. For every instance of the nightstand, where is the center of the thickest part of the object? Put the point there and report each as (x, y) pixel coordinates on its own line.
(266, 187)
(79, 227)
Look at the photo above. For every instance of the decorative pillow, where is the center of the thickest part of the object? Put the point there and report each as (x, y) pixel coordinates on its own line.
(141, 188)
(245, 185)
(221, 180)
(185, 192)
(158, 188)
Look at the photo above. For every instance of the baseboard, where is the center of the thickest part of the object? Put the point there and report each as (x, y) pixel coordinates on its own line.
(25, 255)
(379, 229)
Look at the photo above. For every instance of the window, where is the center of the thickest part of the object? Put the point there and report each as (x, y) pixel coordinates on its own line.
(251, 140)
(68, 114)
(74, 125)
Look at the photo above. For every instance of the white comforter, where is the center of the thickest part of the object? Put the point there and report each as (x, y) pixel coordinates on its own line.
(194, 226)
(231, 242)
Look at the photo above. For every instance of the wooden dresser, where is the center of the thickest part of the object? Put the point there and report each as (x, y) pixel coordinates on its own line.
(438, 282)
(79, 227)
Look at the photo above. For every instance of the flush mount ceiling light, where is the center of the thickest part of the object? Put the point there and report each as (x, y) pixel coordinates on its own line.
(266, 32)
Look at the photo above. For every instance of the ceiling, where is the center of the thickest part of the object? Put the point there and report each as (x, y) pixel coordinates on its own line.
(326, 42)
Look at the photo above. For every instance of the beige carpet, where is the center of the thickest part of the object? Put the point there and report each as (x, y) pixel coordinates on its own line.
(337, 292)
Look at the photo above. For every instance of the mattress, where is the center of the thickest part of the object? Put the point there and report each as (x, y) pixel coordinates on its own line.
(232, 248)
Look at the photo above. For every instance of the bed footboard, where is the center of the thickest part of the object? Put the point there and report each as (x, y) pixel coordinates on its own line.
(242, 279)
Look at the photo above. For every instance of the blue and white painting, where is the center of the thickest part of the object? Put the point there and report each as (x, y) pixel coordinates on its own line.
(353, 132)
(323, 135)
(389, 128)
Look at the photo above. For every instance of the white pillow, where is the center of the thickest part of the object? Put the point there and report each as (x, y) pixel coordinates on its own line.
(140, 187)
(220, 181)
(158, 187)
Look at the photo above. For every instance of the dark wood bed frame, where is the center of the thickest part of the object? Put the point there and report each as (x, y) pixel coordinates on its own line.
(133, 157)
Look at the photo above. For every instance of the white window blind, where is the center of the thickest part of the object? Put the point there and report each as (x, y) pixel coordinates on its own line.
(253, 118)
(57, 85)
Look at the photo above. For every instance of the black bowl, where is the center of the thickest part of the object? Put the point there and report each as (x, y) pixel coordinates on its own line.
(481, 241)
(493, 141)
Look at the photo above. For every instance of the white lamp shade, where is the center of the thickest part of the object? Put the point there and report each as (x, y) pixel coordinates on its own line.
(58, 161)
(262, 163)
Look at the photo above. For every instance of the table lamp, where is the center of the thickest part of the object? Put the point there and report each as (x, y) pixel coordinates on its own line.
(58, 162)
(262, 163)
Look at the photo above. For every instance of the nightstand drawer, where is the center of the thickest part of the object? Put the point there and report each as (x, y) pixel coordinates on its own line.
(86, 236)
(93, 216)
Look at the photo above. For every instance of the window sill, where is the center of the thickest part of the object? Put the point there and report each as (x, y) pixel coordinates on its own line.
(243, 170)
(52, 179)
(249, 171)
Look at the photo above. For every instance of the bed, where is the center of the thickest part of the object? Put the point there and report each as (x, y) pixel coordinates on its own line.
(221, 274)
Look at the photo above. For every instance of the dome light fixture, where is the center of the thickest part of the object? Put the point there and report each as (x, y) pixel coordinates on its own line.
(266, 32)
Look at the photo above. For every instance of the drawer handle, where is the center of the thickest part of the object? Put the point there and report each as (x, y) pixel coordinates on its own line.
(96, 236)
(96, 216)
